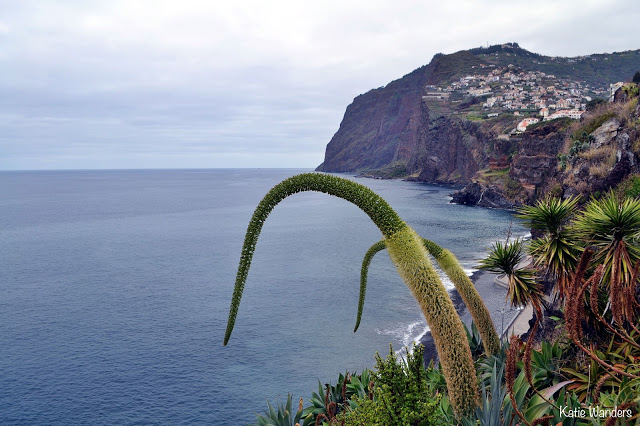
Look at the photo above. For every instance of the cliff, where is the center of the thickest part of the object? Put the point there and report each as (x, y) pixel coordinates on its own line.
(567, 158)
(379, 128)
(454, 121)
(433, 124)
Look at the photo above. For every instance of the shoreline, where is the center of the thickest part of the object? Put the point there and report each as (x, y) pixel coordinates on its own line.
(505, 318)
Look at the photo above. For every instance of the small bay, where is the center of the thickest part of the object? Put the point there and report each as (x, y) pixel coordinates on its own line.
(116, 285)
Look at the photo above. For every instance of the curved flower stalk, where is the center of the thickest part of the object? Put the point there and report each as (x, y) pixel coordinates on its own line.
(411, 261)
(450, 265)
(364, 272)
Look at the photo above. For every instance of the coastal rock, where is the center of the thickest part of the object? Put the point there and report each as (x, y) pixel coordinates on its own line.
(475, 194)
(536, 158)
(494, 198)
(450, 150)
(469, 195)
(606, 133)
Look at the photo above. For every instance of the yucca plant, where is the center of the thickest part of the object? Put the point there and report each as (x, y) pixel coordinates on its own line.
(412, 263)
(555, 251)
(522, 289)
(450, 265)
(612, 227)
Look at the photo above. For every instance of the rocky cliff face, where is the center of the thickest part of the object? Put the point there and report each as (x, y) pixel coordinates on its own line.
(566, 158)
(379, 128)
(407, 129)
(449, 149)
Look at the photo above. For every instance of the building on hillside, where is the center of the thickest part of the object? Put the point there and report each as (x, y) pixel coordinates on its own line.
(613, 88)
(491, 101)
(571, 113)
(480, 91)
(522, 126)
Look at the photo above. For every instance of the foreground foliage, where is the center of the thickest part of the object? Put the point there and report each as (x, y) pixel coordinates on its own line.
(398, 392)
(588, 374)
(403, 394)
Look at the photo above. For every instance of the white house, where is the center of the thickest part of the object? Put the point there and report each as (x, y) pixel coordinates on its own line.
(522, 126)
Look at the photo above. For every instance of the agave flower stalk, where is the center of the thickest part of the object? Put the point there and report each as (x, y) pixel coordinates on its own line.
(412, 263)
(450, 265)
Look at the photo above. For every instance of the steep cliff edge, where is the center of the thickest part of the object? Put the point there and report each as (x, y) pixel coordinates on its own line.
(452, 121)
(379, 128)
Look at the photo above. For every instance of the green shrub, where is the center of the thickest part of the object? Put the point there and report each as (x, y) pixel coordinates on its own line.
(512, 188)
(403, 395)
(630, 187)
(556, 190)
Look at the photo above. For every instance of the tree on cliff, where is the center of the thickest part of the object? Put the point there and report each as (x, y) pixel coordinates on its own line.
(636, 77)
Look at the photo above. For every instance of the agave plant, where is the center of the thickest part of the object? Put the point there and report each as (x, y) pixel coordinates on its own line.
(505, 258)
(490, 413)
(281, 415)
(554, 251)
(612, 227)
(412, 262)
(450, 265)
(334, 399)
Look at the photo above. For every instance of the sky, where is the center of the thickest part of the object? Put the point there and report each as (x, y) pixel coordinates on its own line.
(89, 84)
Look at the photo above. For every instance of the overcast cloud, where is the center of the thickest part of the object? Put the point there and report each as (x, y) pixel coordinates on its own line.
(172, 84)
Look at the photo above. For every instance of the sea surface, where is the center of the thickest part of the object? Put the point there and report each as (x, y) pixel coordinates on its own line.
(115, 289)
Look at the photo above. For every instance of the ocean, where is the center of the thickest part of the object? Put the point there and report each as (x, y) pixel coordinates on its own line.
(115, 291)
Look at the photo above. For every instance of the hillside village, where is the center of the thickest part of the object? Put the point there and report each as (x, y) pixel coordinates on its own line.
(532, 95)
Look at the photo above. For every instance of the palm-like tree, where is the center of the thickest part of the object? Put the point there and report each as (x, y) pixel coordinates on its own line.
(612, 227)
(505, 259)
(554, 251)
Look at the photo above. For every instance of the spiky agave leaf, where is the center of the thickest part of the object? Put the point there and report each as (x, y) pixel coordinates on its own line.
(558, 256)
(281, 415)
(450, 265)
(411, 261)
(550, 214)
